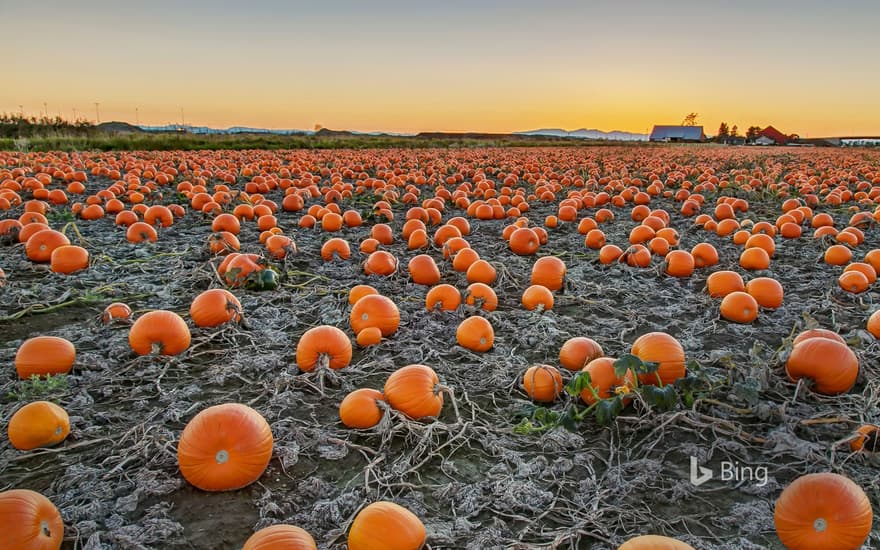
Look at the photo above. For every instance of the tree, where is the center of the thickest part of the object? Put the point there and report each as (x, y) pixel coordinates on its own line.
(734, 131)
(752, 133)
(723, 133)
(690, 119)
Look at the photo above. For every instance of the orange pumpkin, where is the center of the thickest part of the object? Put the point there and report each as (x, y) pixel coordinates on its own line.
(377, 311)
(225, 447)
(766, 291)
(38, 424)
(823, 511)
(481, 296)
(537, 296)
(323, 346)
(443, 298)
(423, 270)
(69, 259)
(654, 542)
(722, 283)
(817, 333)
(386, 526)
(549, 272)
(659, 347)
(739, 307)
(139, 232)
(40, 245)
(830, 364)
(866, 438)
(335, 248)
(577, 352)
(359, 291)
(476, 334)
(215, 307)
(603, 380)
(116, 311)
(874, 324)
(360, 409)
(159, 331)
(287, 537)
(44, 355)
(481, 271)
(705, 255)
(542, 383)
(679, 263)
(370, 336)
(29, 521)
(524, 242)
(414, 390)
(380, 263)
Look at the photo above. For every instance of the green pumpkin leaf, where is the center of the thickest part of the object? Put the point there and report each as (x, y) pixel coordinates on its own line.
(578, 383)
(662, 399)
(626, 363)
(608, 409)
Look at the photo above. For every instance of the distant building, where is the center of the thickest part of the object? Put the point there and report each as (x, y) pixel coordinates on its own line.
(772, 134)
(764, 140)
(678, 134)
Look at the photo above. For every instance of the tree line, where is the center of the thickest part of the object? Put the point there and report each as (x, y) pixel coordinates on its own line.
(18, 126)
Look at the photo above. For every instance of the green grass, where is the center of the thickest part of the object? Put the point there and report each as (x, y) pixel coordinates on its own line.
(190, 142)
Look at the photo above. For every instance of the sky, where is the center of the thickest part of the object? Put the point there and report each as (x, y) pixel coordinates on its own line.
(805, 66)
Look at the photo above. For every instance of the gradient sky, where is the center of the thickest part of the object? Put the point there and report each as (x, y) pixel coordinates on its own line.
(805, 66)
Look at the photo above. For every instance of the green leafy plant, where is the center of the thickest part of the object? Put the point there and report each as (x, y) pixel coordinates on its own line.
(35, 387)
(659, 398)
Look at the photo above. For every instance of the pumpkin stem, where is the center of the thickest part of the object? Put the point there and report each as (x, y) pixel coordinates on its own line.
(820, 525)
(44, 529)
(222, 456)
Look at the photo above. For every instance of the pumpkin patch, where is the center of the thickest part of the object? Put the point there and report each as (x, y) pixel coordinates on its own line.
(402, 348)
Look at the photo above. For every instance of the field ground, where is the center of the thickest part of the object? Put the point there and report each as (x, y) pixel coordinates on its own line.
(473, 481)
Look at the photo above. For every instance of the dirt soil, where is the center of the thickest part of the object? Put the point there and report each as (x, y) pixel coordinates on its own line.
(474, 482)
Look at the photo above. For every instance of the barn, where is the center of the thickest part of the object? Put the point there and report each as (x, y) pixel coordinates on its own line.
(678, 134)
(772, 134)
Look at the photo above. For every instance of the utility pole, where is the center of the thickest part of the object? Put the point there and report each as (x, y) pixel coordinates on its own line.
(97, 113)
(45, 109)
(182, 120)
(21, 111)
(137, 119)
(74, 115)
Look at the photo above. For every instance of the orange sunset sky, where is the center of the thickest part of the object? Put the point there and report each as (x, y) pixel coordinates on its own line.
(807, 67)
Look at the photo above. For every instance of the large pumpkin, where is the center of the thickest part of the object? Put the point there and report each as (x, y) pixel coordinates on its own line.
(375, 310)
(386, 526)
(281, 537)
(38, 424)
(823, 511)
(659, 347)
(578, 351)
(323, 344)
(214, 307)
(830, 364)
(549, 271)
(476, 334)
(225, 447)
(159, 331)
(414, 390)
(29, 521)
(44, 355)
(542, 383)
(654, 542)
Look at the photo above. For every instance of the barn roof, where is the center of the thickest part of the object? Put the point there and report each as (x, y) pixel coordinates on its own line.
(774, 134)
(694, 133)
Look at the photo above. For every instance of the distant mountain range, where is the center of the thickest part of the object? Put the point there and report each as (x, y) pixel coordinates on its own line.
(586, 133)
(583, 133)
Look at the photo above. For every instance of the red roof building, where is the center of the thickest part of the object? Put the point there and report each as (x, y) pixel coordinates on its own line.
(772, 133)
